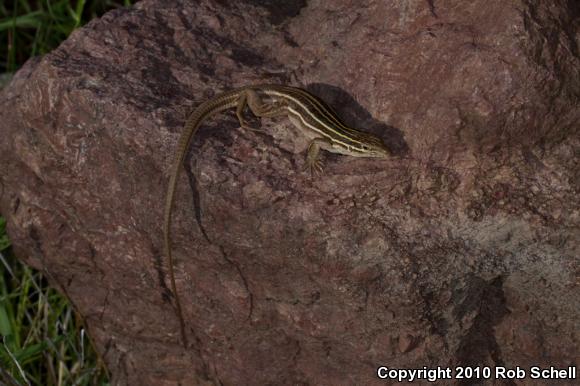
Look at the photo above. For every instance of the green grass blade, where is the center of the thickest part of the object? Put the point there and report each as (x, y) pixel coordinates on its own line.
(29, 20)
(5, 325)
(79, 12)
(34, 351)
(4, 241)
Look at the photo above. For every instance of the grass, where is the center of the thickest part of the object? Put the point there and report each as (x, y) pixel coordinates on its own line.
(42, 340)
(30, 28)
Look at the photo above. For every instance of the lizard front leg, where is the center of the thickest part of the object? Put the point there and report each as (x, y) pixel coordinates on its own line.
(313, 162)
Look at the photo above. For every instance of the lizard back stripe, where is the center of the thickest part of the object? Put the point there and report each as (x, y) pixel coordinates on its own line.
(328, 129)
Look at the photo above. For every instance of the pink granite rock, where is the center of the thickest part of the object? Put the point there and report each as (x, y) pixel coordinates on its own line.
(460, 250)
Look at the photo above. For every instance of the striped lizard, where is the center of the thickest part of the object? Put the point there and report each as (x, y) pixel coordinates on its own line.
(310, 114)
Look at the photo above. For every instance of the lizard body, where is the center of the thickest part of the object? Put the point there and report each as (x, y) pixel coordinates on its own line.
(306, 111)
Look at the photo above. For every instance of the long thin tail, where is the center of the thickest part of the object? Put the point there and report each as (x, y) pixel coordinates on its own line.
(213, 106)
(190, 128)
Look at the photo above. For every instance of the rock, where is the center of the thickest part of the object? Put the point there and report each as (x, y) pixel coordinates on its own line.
(460, 250)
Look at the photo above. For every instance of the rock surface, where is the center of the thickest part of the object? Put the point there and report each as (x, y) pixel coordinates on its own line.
(460, 250)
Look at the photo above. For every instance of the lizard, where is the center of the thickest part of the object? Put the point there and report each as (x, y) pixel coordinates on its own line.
(310, 114)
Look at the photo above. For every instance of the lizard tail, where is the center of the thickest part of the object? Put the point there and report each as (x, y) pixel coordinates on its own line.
(194, 121)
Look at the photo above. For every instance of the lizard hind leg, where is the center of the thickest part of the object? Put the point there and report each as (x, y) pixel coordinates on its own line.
(248, 98)
(259, 108)
(263, 109)
(242, 102)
